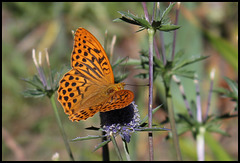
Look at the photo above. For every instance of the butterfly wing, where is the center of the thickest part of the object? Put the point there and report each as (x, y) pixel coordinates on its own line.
(82, 86)
(89, 57)
(83, 114)
(118, 100)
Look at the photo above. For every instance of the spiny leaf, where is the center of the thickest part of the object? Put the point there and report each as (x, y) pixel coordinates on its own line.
(152, 129)
(35, 81)
(232, 84)
(216, 129)
(119, 62)
(132, 19)
(101, 144)
(184, 73)
(146, 117)
(168, 9)
(87, 137)
(168, 27)
(190, 61)
(33, 93)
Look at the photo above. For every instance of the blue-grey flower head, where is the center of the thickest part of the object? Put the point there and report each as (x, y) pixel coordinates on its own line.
(121, 121)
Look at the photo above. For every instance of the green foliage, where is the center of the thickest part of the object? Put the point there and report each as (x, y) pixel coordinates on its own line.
(217, 150)
(33, 20)
(161, 25)
(118, 77)
(39, 89)
(132, 19)
(233, 93)
(89, 137)
(175, 67)
(100, 145)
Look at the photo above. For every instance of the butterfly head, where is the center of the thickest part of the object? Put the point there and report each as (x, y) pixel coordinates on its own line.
(119, 86)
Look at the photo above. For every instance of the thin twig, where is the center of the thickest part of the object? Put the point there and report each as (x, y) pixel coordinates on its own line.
(175, 32)
(183, 94)
(145, 11)
(39, 67)
(151, 36)
(198, 102)
(169, 105)
(60, 125)
(163, 48)
(49, 69)
(112, 47)
(116, 147)
(150, 136)
(153, 13)
(156, 47)
(158, 12)
(210, 93)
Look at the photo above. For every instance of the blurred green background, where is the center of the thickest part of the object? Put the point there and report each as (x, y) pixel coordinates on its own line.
(29, 127)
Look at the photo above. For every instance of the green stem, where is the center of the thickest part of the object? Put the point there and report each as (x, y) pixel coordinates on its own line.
(151, 33)
(116, 147)
(126, 150)
(61, 128)
(172, 123)
(200, 144)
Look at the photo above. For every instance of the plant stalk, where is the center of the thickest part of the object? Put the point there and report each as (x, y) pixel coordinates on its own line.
(61, 128)
(210, 94)
(105, 150)
(150, 136)
(126, 150)
(200, 144)
(172, 122)
(175, 32)
(116, 147)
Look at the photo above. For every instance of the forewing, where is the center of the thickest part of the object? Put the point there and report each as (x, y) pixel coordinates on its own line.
(76, 91)
(89, 57)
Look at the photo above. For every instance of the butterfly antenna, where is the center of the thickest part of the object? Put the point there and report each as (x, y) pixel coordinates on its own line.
(112, 47)
(137, 84)
(124, 67)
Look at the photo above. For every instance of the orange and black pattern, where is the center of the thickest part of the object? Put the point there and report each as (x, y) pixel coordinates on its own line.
(84, 90)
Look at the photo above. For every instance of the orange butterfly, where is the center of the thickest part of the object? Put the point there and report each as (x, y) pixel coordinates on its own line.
(89, 86)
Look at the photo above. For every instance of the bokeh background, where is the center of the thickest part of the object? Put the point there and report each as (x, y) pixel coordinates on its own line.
(29, 127)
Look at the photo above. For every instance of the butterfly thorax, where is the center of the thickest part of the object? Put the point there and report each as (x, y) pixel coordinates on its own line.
(115, 87)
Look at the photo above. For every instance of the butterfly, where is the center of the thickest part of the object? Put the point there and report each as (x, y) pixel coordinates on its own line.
(89, 86)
